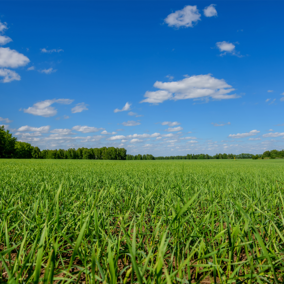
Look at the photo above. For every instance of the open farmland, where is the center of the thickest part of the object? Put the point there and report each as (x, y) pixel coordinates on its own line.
(141, 221)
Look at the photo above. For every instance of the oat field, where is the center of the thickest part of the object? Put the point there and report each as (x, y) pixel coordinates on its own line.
(87, 221)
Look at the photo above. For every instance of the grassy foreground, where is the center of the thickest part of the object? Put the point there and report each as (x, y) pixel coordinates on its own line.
(64, 221)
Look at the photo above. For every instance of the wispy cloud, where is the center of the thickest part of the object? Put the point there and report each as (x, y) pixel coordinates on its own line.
(44, 50)
(131, 123)
(169, 123)
(243, 135)
(186, 17)
(86, 129)
(79, 108)
(275, 134)
(42, 129)
(221, 124)
(48, 71)
(174, 129)
(125, 108)
(31, 68)
(6, 120)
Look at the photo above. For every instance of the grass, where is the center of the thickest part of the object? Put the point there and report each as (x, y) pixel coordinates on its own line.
(65, 221)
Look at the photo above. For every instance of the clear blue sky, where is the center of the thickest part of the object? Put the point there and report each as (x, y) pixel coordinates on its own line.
(158, 77)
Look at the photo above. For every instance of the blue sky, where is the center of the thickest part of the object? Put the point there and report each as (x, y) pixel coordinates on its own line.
(158, 77)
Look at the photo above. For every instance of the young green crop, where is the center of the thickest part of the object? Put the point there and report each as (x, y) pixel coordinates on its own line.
(65, 221)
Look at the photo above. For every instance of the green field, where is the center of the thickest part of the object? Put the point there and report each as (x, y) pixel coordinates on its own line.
(84, 221)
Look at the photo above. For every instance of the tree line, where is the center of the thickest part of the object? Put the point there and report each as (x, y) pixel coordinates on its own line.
(11, 148)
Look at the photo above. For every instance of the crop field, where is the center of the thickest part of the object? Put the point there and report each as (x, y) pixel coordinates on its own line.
(84, 221)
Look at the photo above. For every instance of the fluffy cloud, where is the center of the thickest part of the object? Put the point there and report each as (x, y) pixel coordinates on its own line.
(275, 134)
(86, 129)
(183, 18)
(7, 120)
(194, 87)
(210, 11)
(243, 135)
(226, 46)
(12, 58)
(31, 68)
(44, 50)
(174, 123)
(270, 91)
(48, 71)
(117, 137)
(221, 124)
(42, 129)
(125, 108)
(45, 109)
(79, 108)
(131, 123)
(173, 129)
(4, 40)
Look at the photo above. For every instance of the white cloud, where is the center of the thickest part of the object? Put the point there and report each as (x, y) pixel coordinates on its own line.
(125, 108)
(188, 138)
(86, 129)
(131, 123)
(168, 135)
(270, 91)
(192, 141)
(134, 114)
(221, 124)
(210, 11)
(44, 50)
(170, 77)
(9, 75)
(275, 134)
(31, 68)
(61, 131)
(243, 135)
(12, 58)
(183, 18)
(6, 126)
(117, 137)
(135, 140)
(105, 132)
(194, 87)
(254, 139)
(282, 99)
(66, 117)
(174, 123)
(48, 71)
(79, 108)
(173, 129)
(45, 109)
(4, 40)
(3, 26)
(42, 129)
(227, 47)
(267, 100)
(270, 130)
(7, 120)
(145, 135)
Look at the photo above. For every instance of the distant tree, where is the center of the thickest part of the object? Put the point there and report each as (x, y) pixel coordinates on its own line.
(7, 143)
